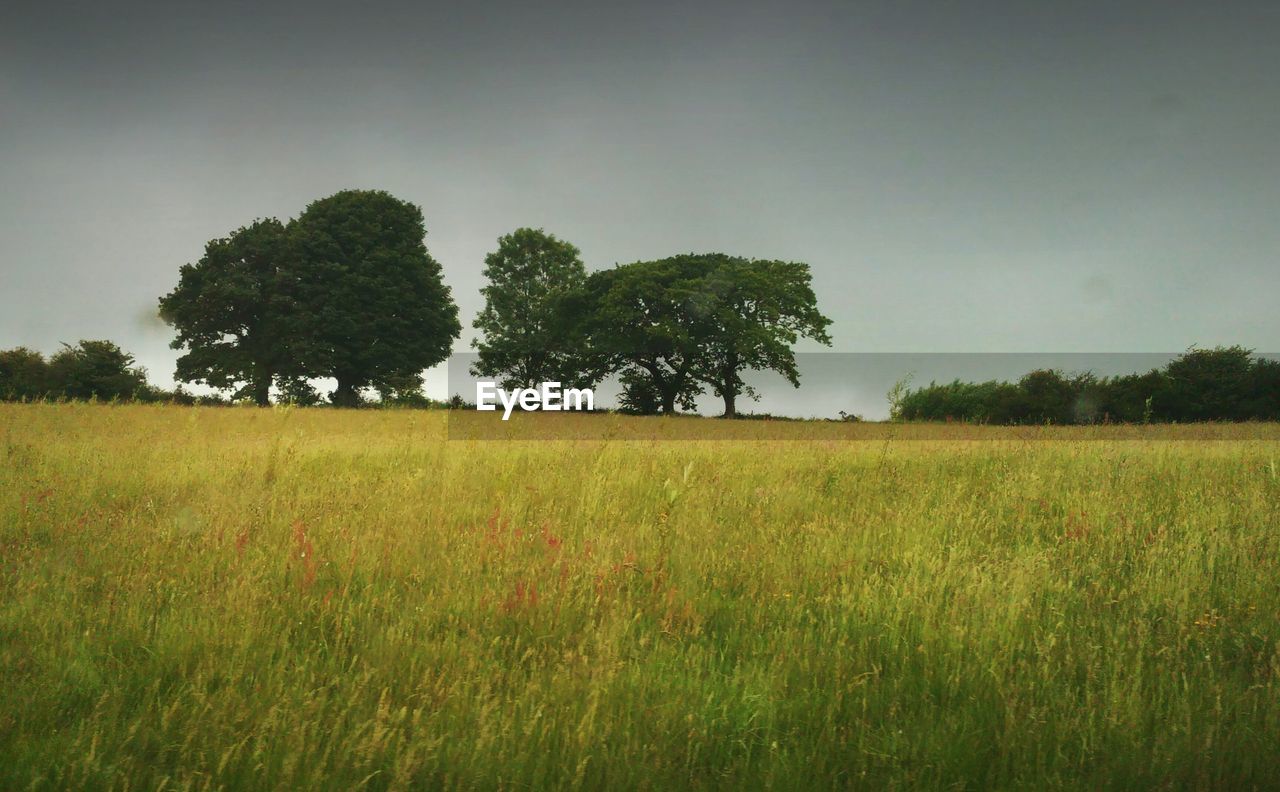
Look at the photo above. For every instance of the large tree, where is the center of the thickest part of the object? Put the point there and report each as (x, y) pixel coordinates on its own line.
(526, 340)
(234, 313)
(670, 326)
(756, 310)
(647, 321)
(377, 308)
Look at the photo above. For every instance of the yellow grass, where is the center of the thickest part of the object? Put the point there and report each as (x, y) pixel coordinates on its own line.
(284, 599)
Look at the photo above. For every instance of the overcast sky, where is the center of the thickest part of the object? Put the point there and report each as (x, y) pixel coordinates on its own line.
(1017, 176)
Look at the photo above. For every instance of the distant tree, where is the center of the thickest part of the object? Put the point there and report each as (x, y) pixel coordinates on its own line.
(24, 374)
(1264, 390)
(1043, 396)
(299, 392)
(1089, 394)
(234, 313)
(183, 397)
(526, 338)
(975, 402)
(1220, 384)
(1129, 398)
(756, 311)
(376, 306)
(96, 370)
(640, 395)
(1208, 385)
(403, 391)
(646, 319)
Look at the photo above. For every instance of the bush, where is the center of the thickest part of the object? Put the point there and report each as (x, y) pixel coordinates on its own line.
(639, 396)
(24, 375)
(96, 370)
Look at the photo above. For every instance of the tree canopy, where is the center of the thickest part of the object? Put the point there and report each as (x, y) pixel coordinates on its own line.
(96, 370)
(759, 310)
(374, 307)
(527, 339)
(235, 314)
(668, 327)
(646, 321)
(24, 375)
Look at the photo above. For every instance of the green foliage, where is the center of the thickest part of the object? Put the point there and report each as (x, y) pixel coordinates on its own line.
(1208, 385)
(24, 375)
(299, 392)
(757, 311)
(96, 370)
(650, 320)
(180, 396)
(981, 402)
(376, 308)
(235, 315)
(1263, 389)
(89, 370)
(698, 319)
(403, 391)
(1130, 398)
(640, 396)
(527, 340)
(1221, 384)
(897, 395)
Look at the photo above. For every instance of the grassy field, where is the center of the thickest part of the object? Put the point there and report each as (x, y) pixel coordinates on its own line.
(310, 599)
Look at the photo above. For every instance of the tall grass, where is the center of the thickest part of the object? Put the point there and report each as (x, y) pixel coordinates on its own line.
(283, 599)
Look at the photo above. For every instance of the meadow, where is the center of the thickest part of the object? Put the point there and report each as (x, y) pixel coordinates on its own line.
(227, 598)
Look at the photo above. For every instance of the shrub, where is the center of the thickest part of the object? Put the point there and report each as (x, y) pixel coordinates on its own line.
(24, 375)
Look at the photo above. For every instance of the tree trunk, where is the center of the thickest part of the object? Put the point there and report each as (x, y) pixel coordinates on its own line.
(730, 403)
(668, 402)
(262, 386)
(729, 385)
(346, 395)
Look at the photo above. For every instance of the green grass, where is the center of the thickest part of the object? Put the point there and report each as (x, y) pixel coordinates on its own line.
(287, 599)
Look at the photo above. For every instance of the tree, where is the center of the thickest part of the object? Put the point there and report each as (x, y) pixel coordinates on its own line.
(526, 338)
(1208, 385)
(645, 318)
(24, 374)
(1264, 390)
(96, 370)
(640, 395)
(404, 391)
(377, 309)
(758, 309)
(234, 313)
(1128, 398)
(1044, 396)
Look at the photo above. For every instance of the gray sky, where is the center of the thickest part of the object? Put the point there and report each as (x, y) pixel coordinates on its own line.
(1018, 176)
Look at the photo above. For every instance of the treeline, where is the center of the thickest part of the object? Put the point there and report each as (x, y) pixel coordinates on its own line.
(669, 329)
(1220, 384)
(347, 291)
(87, 370)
